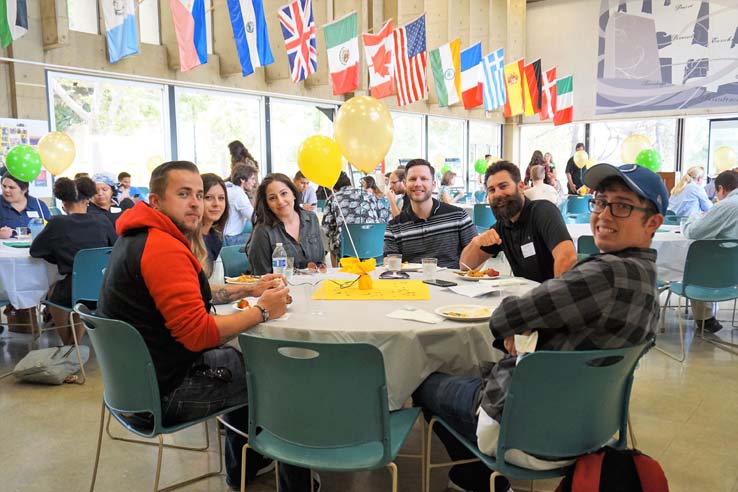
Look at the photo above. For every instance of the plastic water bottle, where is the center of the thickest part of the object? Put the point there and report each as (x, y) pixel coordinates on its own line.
(279, 259)
(35, 226)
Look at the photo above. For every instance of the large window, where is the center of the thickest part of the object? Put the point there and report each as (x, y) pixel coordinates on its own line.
(83, 16)
(407, 142)
(446, 146)
(116, 125)
(559, 141)
(484, 138)
(696, 142)
(607, 137)
(291, 123)
(148, 22)
(723, 133)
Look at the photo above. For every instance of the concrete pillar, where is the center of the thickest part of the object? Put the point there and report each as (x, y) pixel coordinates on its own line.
(168, 35)
(54, 23)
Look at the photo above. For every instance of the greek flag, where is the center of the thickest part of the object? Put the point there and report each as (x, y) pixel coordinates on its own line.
(494, 79)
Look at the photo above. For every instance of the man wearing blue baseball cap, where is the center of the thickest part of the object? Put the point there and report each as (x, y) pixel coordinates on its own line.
(605, 301)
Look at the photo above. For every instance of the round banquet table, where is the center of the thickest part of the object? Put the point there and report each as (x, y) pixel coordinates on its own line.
(24, 281)
(412, 350)
(670, 244)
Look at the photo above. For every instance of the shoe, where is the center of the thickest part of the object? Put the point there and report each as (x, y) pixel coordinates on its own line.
(316, 482)
(712, 325)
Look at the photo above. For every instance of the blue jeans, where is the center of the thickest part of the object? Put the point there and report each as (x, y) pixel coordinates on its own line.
(456, 399)
(217, 380)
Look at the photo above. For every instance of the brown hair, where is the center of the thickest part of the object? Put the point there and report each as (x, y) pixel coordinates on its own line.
(447, 177)
(262, 213)
(503, 166)
(159, 177)
(208, 181)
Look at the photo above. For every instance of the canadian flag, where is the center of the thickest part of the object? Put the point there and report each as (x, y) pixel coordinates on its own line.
(548, 99)
(380, 61)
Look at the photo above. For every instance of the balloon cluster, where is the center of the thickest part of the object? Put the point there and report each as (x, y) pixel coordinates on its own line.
(363, 132)
(636, 149)
(55, 152)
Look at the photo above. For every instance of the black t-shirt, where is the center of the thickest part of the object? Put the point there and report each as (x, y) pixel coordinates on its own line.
(576, 173)
(213, 243)
(540, 227)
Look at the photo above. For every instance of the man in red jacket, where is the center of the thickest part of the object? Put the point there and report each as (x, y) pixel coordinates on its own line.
(155, 283)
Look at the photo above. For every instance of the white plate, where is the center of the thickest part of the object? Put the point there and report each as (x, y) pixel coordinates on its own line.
(465, 312)
(233, 281)
(251, 304)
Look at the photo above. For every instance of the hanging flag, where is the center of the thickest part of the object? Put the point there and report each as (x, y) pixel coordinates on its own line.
(342, 42)
(532, 88)
(564, 101)
(494, 79)
(514, 87)
(472, 90)
(120, 28)
(380, 61)
(548, 92)
(446, 66)
(13, 21)
(298, 29)
(250, 34)
(411, 59)
(189, 26)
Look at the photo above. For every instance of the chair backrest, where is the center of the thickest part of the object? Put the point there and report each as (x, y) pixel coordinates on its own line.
(673, 219)
(368, 239)
(128, 373)
(480, 196)
(235, 260)
(577, 205)
(563, 404)
(336, 390)
(87, 273)
(712, 263)
(55, 211)
(144, 190)
(669, 212)
(320, 204)
(586, 246)
(577, 218)
(483, 216)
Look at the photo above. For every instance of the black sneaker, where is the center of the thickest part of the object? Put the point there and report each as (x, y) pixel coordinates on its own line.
(712, 325)
(267, 466)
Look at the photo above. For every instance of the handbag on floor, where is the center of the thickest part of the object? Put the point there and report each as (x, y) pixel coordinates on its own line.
(50, 365)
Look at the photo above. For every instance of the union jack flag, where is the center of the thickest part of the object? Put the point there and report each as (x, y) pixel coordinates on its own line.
(298, 29)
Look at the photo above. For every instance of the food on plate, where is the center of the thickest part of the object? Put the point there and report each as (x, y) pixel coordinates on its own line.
(320, 267)
(243, 279)
(243, 304)
(491, 272)
(469, 313)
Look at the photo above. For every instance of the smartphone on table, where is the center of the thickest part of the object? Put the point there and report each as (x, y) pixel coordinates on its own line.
(440, 283)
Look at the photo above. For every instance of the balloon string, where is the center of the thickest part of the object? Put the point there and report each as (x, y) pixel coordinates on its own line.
(348, 232)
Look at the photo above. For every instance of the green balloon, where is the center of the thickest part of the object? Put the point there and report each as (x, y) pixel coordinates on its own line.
(650, 159)
(480, 166)
(446, 168)
(23, 163)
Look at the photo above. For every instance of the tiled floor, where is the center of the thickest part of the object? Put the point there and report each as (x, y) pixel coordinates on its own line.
(686, 416)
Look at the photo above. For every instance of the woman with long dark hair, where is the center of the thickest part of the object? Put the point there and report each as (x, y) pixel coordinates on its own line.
(537, 160)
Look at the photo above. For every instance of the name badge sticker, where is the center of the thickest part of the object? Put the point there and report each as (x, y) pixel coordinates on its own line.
(32, 214)
(528, 250)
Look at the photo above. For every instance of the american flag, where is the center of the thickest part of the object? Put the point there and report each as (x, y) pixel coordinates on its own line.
(411, 60)
(298, 28)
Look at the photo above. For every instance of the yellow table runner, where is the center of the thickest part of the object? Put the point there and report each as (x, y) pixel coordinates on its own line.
(382, 290)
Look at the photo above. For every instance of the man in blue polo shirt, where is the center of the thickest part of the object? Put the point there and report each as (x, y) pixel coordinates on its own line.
(17, 207)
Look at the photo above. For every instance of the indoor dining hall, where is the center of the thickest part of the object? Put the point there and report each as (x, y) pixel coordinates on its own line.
(368, 245)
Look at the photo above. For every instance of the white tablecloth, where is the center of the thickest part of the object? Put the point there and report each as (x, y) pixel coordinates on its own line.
(671, 246)
(24, 281)
(411, 350)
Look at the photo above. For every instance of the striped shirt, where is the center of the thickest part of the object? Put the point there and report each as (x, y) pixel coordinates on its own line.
(443, 235)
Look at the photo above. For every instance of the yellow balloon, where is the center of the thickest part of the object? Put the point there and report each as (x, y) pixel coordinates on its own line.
(363, 130)
(725, 158)
(632, 146)
(319, 160)
(153, 162)
(580, 158)
(57, 152)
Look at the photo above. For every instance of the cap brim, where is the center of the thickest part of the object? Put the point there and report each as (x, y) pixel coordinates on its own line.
(598, 173)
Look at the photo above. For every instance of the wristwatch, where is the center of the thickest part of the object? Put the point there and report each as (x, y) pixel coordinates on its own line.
(264, 313)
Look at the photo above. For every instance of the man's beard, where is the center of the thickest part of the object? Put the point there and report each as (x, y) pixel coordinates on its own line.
(507, 207)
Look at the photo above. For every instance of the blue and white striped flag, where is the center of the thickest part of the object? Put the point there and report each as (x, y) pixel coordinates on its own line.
(120, 28)
(250, 33)
(494, 79)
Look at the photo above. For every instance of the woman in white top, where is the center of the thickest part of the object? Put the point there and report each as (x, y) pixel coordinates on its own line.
(238, 227)
(688, 197)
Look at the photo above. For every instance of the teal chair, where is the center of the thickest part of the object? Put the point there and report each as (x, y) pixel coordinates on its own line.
(321, 204)
(702, 281)
(368, 239)
(55, 211)
(577, 218)
(480, 196)
(559, 405)
(673, 219)
(130, 387)
(235, 260)
(340, 394)
(577, 205)
(483, 217)
(586, 247)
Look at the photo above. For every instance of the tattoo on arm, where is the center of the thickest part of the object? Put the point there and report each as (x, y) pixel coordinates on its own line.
(223, 294)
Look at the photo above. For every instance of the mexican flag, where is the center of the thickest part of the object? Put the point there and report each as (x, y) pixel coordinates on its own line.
(445, 65)
(564, 101)
(342, 42)
(13, 21)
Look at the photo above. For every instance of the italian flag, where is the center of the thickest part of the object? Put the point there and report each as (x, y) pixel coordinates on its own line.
(564, 101)
(13, 21)
(342, 42)
(445, 65)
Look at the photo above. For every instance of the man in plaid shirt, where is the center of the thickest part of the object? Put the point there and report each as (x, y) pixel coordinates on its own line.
(606, 301)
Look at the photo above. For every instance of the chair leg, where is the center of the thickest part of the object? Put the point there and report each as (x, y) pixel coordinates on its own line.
(243, 468)
(428, 465)
(663, 313)
(76, 348)
(420, 456)
(633, 443)
(170, 446)
(99, 446)
(393, 472)
(683, 354)
(159, 456)
(492, 477)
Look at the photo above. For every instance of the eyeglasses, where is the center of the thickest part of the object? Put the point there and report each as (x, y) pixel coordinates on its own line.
(620, 210)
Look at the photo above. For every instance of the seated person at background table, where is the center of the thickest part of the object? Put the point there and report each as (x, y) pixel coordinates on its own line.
(540, 190)
(606, 301)
(369, 184)
(214, 218)
(278, 218)
(104, 202)
(537, 159)
(428, 228)
(126, 191)
(397, 193)
(63, 237)
(720, 222)
(356, 206)
(17, 207)
(154, 283)
(444, 193)
(308, 198)
(532, 234)
(240, 209)
(688, 197)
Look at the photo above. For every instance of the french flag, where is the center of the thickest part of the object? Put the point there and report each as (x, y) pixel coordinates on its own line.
(250, 33)
(120, 29)
(189, 25)
(472, 87)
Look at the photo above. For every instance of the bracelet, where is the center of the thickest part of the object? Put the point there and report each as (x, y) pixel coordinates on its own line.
(264, 313)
